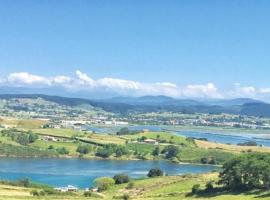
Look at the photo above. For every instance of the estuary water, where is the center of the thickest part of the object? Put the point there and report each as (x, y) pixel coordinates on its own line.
(82, 172)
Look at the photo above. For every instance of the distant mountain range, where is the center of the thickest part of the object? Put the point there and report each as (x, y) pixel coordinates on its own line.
(124, 105)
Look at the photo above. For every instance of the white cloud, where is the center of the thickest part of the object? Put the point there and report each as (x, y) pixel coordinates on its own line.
(82, 81)
(62, 79)
(26, 78)
(265, 91)
(204, 91)
(242, 91)
(118, 84)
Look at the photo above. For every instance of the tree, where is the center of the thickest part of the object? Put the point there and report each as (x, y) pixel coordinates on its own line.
(209, 186)
(195, 189)
(83, 149)
(249, 171)
(154, 172)
(103, 183)
(170, 151)
(62, 150)
(121, 150)
(32, 137)
(123, 131)
(23, 139)
(104, 152)
(156, 151)
(121, 178)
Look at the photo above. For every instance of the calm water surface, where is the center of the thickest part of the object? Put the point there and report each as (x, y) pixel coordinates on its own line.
(233, 138)
(82, 172)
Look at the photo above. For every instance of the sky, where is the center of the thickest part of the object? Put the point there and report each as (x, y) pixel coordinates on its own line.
(178, 48)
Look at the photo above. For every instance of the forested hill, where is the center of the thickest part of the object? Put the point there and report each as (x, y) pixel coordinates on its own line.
(124, 105)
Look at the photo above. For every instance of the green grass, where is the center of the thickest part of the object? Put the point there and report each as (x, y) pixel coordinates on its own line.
(57, 132)
(160, 188)
(24, 151)
(141, 148)
(194, 155)
(169, 137)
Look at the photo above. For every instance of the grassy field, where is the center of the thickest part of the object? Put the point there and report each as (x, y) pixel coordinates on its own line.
(22, 123)
(161, 188)
(231, 148)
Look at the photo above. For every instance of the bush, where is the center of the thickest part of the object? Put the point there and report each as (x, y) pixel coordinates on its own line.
(249, 171)
(83, 149)
(104, 183)
(121, 150)
(130, 185)
(23, 139)
(209, 186)
(155, 172)
(195, 189)
(156, 151)
(34, 193)
(170, 151)
(126, 197)
(87, 194)
(24, 182)
(121, 178)
(62, 150)
(32, 137)
(103, 152)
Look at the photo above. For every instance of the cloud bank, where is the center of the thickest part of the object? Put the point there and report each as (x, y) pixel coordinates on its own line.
(83, 82)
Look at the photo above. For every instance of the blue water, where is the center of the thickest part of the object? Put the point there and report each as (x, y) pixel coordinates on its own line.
(82, 172)
(114, 129)
(227, 138)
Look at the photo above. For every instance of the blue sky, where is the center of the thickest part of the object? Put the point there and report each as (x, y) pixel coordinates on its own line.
(183, 42)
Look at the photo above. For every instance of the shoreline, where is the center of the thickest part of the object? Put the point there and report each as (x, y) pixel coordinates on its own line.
(107, 159)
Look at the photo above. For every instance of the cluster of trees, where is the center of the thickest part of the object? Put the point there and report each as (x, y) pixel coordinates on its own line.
(110, 149)
(23, 138)
(170, 151)
(249, 171)
(84, 149)
(127, 131)
(246, 172)
(209, 160)
(249, 143)
(62, 150)
(105, 183)
(155, 172)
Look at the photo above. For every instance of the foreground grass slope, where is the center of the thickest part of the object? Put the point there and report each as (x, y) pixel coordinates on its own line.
(161, 188)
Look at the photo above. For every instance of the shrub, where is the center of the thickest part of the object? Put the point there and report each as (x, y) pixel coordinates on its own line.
(121, 178)
(249, 171)
(62, 150)
(32, 137)
(34, 193)
(87, 194)
(170, 151)
(155, 172)
(195, 189)
(24, 182)
(209, 186)
(126, 197)
(23, 139)
(156, 151)
(83, 149)
(103, 152)
(103, 183)
(130, 185)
